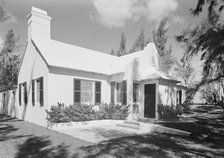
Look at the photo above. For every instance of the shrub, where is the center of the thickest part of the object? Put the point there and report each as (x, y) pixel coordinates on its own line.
(83, 112)
(169, 111)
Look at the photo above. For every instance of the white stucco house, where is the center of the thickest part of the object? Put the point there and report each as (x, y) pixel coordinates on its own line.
(53, 71)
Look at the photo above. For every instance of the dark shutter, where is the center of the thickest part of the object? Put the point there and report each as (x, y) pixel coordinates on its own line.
(112, 92)
(33, 92)
(124, 92)
(77, 91)
(20, 94)
(25, 93)
(97, 92)
(41, 91)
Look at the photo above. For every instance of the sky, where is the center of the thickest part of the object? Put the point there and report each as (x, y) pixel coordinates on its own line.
(98, 24)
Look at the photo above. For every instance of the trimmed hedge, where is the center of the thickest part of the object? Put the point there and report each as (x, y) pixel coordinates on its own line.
(82, 112)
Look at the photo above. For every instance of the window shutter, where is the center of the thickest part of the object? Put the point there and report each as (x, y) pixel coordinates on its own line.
(20, 94)
(97, 92)
(124, 91)
(77, 91)
(41, 91)
(112, 92)
(25, 93)
(33, 92)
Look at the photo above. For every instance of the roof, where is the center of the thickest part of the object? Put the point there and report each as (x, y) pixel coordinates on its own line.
(58, 54)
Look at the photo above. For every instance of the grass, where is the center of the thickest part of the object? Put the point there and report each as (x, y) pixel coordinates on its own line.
(21, 139)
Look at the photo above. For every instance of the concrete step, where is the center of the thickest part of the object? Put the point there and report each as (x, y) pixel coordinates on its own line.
(131, 122)
(128, 125)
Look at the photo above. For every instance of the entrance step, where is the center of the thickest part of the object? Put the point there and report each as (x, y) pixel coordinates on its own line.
(129, 124)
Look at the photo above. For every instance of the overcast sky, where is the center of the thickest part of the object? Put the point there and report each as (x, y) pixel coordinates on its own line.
(98, 24)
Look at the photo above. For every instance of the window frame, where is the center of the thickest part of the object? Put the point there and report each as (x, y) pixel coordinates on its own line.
(78, 92)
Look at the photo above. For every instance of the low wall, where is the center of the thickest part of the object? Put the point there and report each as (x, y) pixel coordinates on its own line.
(7, 102)
(82, 124)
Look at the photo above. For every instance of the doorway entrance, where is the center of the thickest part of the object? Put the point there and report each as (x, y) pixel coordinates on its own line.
(150, 100)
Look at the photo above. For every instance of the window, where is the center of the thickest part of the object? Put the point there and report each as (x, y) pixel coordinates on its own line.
(121, 92)
(112, 92)
(135, 92)
(33, 92)
(40, 91)
(97, 92)
(84, 91)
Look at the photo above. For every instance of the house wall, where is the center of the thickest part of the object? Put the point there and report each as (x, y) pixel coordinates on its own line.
(7, 102)
(33, 67)
(61, 85)
(167, 92)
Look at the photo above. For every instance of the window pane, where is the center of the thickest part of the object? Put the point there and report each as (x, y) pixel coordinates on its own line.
(86, 92)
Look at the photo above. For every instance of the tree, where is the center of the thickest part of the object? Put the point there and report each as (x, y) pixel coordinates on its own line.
(122, 49)
(185, 71)
(160, 40)
(113, 52)
(4, 16)
(207, 38)
(140, 43)
(209, 94)
(9, 62)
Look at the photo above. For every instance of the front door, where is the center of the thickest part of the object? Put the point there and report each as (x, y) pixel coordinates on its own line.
(150, 100)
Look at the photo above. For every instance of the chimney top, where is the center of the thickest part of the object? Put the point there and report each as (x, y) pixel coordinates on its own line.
(38, 24)
(39, 10)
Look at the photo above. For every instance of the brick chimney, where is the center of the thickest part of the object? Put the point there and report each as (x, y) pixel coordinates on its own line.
(39, 24)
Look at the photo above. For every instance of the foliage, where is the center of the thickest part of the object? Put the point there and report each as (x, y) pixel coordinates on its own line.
(4, 15)
(160, 40)
(140, 42)
(122, 49)
(209, 94)
(207, 37)
(185, 71)
(9, 62)
(83, 112)
(169, 111)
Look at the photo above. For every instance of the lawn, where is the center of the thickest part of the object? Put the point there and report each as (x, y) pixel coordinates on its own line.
(21, 139)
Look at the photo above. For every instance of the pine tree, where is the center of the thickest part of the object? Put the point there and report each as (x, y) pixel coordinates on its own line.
(122, 49)
(140, 43)
(160, 40)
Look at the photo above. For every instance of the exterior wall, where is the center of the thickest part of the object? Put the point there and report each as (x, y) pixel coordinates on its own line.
(7, 102)
(61, 85)
(33, 67)
(167, 92)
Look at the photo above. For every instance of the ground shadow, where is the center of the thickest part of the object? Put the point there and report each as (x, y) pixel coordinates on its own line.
(208, 127)
(41, 147)
(151, 145)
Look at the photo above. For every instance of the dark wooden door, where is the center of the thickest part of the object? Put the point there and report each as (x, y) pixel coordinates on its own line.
(150, 100)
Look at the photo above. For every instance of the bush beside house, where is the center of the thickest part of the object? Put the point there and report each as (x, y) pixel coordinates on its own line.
(169, 112)
(82, 112)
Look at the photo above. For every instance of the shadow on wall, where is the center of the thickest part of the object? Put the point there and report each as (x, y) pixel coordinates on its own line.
(28, 90)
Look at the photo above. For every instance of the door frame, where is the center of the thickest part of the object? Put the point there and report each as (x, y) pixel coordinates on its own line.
(156, 82)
